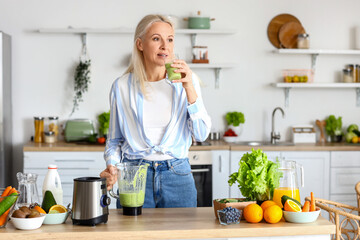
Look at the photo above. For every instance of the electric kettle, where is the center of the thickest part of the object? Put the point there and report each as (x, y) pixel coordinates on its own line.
(90, 201)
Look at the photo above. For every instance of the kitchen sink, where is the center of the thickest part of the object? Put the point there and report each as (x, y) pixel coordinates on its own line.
(264, 143)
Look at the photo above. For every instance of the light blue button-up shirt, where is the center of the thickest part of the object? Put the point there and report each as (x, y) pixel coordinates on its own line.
(127, 137)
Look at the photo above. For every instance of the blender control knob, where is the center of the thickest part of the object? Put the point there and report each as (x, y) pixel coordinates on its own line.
(105, 201)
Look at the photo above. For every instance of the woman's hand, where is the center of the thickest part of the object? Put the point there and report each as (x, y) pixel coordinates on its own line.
(110, 173)
(186, 79)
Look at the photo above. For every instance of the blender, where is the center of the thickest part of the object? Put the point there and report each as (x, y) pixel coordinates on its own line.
(131, 185)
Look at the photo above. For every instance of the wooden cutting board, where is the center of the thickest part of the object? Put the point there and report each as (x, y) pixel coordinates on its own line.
(275, 25)
(288, 34)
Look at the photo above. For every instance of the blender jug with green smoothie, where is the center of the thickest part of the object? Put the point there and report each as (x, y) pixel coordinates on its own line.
(132, 185)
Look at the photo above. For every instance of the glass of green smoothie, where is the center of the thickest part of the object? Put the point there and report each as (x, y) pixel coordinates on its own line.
(132, 186)
(170, 70)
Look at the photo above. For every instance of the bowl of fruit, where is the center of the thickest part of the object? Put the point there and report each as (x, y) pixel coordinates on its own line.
(57, 215)
(229, 215)
(296, 213)
(27, 218)
(230, 136)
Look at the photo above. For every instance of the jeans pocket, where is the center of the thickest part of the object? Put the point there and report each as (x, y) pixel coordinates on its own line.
(183, 168)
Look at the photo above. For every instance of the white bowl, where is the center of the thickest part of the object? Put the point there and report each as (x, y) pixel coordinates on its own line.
(56, 218)
(301, 217)
(28, 223)
(230, 139)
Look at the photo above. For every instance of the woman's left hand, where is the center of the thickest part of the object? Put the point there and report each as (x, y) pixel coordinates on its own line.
(185, 71)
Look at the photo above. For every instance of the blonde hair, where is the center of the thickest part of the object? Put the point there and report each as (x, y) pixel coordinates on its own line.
(137, 66)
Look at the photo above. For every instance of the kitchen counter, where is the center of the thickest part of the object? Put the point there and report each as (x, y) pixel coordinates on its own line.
(215, 145)
(169, 223)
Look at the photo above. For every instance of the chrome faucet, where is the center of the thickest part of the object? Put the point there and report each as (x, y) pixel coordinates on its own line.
(275, 136)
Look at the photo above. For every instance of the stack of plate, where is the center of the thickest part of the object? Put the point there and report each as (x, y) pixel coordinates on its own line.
(283, 31)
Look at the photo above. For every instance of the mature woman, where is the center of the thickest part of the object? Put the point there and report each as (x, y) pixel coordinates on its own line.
(153, 119)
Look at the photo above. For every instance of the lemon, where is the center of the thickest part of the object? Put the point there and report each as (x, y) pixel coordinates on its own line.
(355, 139)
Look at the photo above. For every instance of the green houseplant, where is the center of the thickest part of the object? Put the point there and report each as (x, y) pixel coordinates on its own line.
(333, 128)
(104, 122)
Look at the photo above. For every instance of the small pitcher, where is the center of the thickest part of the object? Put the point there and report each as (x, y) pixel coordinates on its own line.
(28, 188)
(289, 181)
(132, 186)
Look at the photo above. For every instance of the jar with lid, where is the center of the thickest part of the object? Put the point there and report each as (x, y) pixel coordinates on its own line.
(303, 41)
(353, 71)
(39, 129)
(49, 137)
(357, 75)
(53, 126)
(347, 75)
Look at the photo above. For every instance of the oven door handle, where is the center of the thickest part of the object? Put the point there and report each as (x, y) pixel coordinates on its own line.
(200, 170)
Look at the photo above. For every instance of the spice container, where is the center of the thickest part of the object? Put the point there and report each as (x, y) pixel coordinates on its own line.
(53, 126)
(347, 75)
(357, 75)
(200, 54)
(353, 71)
(303, 41)
(49, 137)
(39, 129)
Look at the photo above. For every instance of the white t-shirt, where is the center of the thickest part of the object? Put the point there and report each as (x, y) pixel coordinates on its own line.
(157, 113)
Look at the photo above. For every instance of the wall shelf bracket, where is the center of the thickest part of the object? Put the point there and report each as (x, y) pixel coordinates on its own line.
(217, 78)
(313, 61)
(193, 39)
(358, 97)
(287, 96)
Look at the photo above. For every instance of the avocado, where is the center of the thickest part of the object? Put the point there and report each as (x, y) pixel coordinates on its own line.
(48, 201)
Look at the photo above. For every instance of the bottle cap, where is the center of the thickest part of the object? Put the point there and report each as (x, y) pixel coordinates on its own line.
(51, 166)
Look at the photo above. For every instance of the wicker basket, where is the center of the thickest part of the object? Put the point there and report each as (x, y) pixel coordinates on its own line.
(345, 217)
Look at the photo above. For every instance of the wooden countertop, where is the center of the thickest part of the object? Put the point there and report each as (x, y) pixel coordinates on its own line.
(167, 223)
(215, 145)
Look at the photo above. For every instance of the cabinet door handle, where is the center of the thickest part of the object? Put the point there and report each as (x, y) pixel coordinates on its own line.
(220, 163)
(200, 170)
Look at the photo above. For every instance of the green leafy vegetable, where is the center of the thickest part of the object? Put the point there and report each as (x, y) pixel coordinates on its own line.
(104, 122)
(235, 118)
(333, 126)
(257, 177)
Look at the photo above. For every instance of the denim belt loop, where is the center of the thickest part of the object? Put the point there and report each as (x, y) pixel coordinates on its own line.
(169, 163)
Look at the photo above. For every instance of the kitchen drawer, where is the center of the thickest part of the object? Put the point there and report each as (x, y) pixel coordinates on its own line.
(65, 160)
(343, 180)
(345, 159)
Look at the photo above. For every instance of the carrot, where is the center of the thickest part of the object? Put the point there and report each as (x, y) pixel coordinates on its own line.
(312, 205)
(6, 191)
(4, 217)
(306, 207)
(13, 190)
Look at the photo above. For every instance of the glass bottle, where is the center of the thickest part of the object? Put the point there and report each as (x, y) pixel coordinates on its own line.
(39, 129)
(28, 189)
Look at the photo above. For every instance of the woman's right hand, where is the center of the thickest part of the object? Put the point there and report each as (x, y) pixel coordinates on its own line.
(110, 173)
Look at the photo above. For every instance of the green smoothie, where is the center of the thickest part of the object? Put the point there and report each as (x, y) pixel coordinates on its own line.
(171, 74)
(132, 199)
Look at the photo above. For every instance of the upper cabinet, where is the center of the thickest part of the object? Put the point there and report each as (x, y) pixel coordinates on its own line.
(314, 53)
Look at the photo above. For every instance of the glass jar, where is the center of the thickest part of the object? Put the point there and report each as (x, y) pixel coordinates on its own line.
(347, 75)
(353, 71)
(303, 41)
(28, 189)
(49, 137)
(357, 78)
(53, 126)
(39, 129)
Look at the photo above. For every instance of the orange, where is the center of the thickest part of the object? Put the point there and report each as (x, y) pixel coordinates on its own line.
(57, 209)
(291, 206)
(253, 213)
(355, 139)
(267, 204)
(273, 214)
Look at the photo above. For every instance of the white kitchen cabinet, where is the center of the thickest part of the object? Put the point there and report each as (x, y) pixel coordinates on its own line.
(316, 172)
(220, 173)
(345, 173)
(70, 165)
(235, 157)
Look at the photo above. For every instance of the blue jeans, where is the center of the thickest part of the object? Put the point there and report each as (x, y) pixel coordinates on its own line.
(169, 184)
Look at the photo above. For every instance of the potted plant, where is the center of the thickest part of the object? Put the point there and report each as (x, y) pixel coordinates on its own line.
(234, 121)
(104, 122)
(333, 128)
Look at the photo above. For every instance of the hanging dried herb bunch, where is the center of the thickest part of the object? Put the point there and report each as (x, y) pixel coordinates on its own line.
(81, 82)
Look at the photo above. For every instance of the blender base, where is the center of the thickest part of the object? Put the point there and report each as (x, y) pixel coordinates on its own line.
(132, 211)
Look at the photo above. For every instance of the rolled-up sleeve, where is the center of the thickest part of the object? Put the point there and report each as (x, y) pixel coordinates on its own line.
(199, 121)
(112, 154)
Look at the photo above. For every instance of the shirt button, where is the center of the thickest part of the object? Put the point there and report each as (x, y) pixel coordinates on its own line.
(156, 164)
